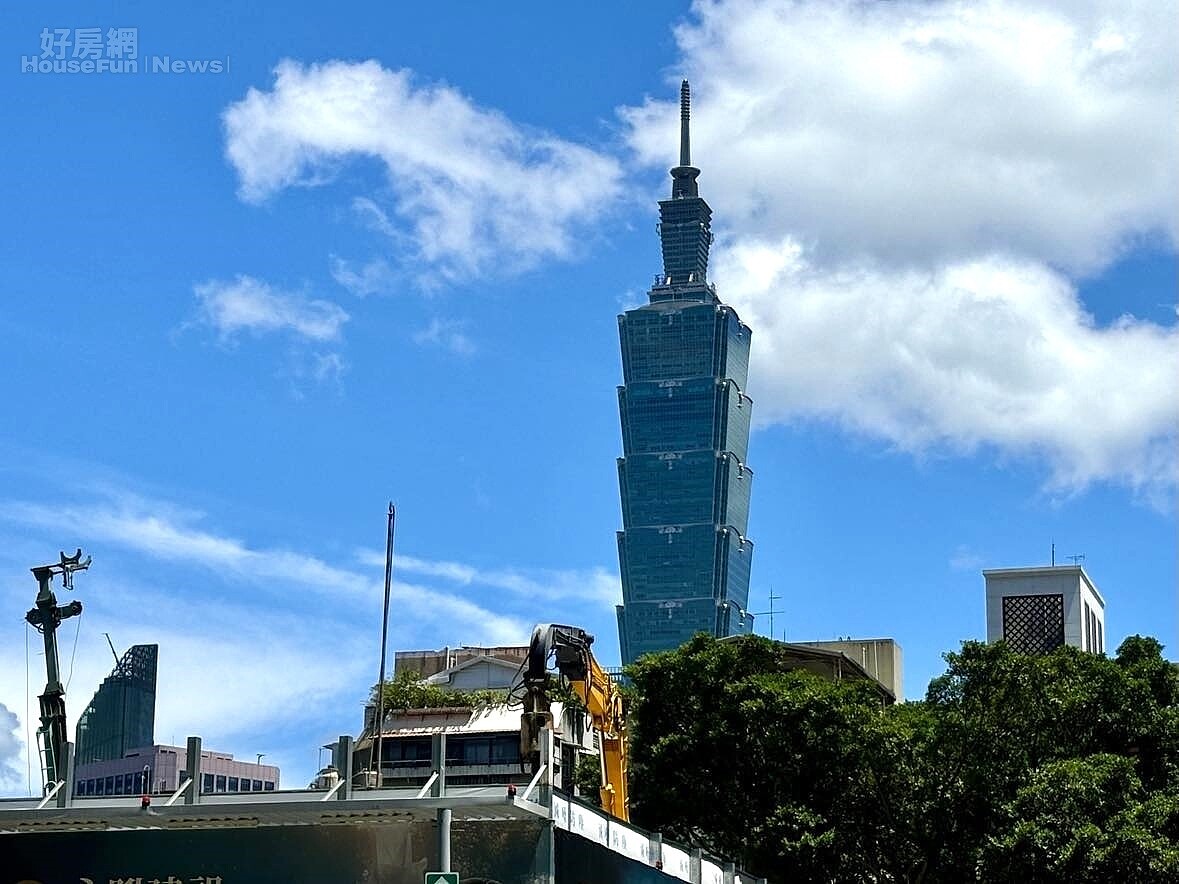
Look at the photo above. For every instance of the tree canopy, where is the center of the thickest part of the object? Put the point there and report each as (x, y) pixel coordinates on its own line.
(1060, 767)
(408, 690)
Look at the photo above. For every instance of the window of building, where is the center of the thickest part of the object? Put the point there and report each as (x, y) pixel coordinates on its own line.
(505, 750)
(233, 785)
(109, 786)
(245, 784)
(268, 786)
(257, 786)
(219, 783)
(207, 782)
(408, 749)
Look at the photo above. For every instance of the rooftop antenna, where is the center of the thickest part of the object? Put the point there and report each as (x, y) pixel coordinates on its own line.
(685, 114)
(1077, 559)
(1054, 555)
(772, 609)
(45, 617)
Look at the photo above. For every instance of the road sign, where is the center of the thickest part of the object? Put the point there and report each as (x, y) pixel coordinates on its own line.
(442, 878)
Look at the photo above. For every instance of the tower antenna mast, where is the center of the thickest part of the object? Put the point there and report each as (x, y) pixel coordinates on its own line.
(45, 616)
(772, 611)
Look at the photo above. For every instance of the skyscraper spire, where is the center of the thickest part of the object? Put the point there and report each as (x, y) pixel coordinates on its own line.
(684, 224)
(685, 174)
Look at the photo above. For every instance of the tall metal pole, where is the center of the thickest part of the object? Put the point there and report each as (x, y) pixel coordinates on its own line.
(45, 617)
(380, 722)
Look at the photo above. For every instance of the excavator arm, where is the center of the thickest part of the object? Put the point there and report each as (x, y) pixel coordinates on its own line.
(569, 647)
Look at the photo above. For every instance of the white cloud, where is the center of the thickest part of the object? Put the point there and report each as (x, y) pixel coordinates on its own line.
(373, 277)
(990, 352)
(596, 585)
(477, 192)
(11, 751)
(166, 534)
(295, 634)
(932, 131)
(966, 559)
(446, 333)
(246, 304)
(894, 184)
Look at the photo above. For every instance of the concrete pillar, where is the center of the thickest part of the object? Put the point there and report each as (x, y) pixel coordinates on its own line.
(694, 870)
(192, 764)
(343, 755)
(438, 764)
(544, 792)
(65, 795)
(655, 847)
(730, 872)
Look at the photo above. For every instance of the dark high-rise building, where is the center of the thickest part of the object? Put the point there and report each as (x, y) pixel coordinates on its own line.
(683, 479)
(122, 715)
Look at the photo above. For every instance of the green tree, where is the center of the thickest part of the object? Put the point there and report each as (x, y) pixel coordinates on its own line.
(408, 691)
(785, 770)
(1085, 821)
(809, 780)
(587, 775)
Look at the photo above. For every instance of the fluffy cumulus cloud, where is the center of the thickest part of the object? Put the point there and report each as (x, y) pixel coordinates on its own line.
(909, 194)
(910, 131)
(475, 191)
(989, 352)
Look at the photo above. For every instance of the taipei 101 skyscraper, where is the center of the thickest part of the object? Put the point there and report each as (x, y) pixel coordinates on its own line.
(683, 479)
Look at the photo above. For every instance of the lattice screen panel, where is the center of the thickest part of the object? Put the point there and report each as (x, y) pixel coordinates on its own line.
(1033, 624)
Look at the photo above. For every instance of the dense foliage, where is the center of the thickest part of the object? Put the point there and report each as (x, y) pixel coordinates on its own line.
(1055, 768)
(408, 691)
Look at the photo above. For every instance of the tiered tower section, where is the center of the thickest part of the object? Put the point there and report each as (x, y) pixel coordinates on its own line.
(683, 478)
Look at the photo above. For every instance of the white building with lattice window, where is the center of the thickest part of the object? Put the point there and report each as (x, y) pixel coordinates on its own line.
(1036, 610)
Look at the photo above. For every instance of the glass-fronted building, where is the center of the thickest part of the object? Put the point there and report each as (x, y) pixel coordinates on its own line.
(683, 476)
(122, 714)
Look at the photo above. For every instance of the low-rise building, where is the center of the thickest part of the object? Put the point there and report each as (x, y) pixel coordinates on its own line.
(831, 664)
(879, 657)
(160, 769)
(481, 743)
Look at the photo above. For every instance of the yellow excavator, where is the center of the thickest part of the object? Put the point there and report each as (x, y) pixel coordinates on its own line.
(569, 647)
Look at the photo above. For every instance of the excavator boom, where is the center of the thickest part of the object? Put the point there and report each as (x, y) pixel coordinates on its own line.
(569, 647)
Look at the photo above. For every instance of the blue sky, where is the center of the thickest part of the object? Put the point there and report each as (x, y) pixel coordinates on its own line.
(380, 256)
